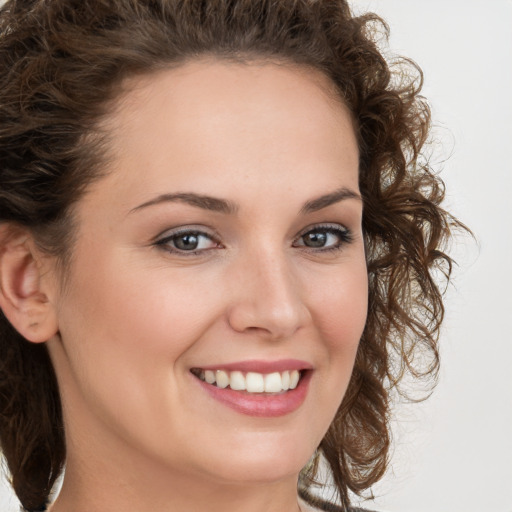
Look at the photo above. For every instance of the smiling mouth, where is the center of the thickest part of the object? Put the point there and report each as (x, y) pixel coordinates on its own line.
(251, 382)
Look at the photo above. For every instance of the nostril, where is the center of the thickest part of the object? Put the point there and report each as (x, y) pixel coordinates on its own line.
(276, 323)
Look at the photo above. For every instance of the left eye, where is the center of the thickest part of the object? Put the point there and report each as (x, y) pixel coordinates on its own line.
(187, 241)
(329, 237)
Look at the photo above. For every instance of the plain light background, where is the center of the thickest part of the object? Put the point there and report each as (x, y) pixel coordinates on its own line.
(453, 453)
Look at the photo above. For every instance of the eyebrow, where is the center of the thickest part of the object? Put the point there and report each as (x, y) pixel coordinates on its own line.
(200, 201)
(328, 199)
(228, 207)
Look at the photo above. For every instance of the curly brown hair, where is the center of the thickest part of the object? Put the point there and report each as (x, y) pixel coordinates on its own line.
(63, 62)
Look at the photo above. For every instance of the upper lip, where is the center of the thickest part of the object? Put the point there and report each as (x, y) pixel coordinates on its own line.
(260, 366)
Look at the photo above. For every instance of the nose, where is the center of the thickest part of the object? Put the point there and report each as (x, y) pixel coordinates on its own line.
(267, 298)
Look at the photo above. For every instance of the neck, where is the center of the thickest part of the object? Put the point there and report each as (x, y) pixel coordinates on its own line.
(177, 495)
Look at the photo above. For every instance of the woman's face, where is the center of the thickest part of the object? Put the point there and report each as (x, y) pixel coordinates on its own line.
(224, 242)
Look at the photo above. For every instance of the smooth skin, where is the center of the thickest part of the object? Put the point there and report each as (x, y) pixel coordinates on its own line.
(159, 285)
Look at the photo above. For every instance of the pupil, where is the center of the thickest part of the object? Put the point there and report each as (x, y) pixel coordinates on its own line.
(187, 242)
(315, 239)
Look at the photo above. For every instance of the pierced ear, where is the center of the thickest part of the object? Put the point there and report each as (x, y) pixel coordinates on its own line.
(23, 297)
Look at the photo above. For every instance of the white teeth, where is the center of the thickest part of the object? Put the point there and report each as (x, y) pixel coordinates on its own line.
(209, 376)
(255, 382)
(237, 381)
(294, 379)
(273, 383)
(222, 379)
(252, 382)
(285, 380)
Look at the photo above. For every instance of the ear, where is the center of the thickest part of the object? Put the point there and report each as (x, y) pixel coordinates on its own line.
(24, 295)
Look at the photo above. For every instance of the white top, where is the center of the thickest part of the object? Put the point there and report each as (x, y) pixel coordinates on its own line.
(306, 507)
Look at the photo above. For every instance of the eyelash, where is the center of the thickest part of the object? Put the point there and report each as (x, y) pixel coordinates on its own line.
(164, 243)
(344, 237)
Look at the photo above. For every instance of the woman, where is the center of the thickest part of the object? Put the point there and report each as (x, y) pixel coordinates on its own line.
(219, 240)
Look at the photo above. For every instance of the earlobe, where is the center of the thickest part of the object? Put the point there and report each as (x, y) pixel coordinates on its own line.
(23, 298)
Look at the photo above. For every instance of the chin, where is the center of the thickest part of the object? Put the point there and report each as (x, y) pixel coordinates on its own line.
(256, 472)
(264, 459)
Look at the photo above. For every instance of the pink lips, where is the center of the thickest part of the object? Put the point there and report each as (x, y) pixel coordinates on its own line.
(261, 404)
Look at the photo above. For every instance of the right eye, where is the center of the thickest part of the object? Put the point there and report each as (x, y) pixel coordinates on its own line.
(187, 241)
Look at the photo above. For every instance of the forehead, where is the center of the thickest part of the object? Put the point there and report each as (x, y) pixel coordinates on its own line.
(248, 81)
(212, 123)
(209, 93)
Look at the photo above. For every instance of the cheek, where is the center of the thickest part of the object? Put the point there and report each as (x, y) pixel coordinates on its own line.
(123, 331)
(341, 307)
(142, 308)
(340, 313)
(125, 335)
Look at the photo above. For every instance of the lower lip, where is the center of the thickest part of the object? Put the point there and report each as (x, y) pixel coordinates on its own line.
(261, 404)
